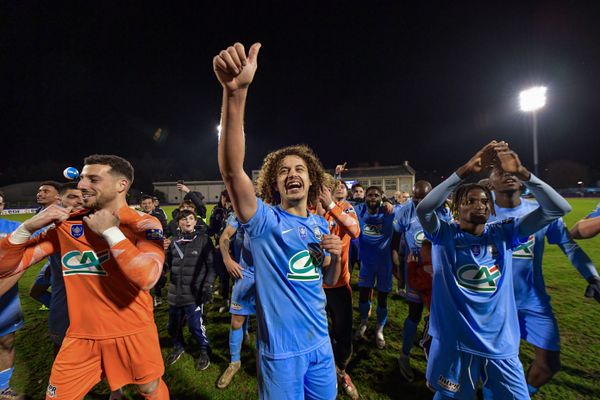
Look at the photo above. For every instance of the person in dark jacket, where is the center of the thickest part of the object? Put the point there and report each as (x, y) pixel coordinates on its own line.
(195, 197)
(190, 260)
(216, 225)
(173, 227)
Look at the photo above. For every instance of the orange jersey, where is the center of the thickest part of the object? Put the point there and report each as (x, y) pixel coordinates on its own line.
(106, 287)
(343, 222)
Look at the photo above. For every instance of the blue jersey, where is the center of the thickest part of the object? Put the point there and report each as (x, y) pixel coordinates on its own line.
(407, 222)
(11, 317)
(530, 289)
(473, 306)
(375, 238)
(290, 301)
(241, 246)
(595, 213)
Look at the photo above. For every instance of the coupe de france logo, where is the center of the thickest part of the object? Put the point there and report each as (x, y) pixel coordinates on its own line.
(479, 279)
(77, 230)
(419, 238)
(303, 267)
(525, 250)
(84, 263)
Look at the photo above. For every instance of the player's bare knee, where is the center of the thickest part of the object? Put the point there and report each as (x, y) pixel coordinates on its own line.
(148, 388)
(7, 342)
(237, 321)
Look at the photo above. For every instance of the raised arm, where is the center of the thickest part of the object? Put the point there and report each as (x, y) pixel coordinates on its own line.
(235, 71)
(426, 210)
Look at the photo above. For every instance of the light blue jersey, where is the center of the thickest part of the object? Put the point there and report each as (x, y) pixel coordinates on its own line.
(11, 316)
(530, 289)
(407, 222)
(595, 213)
(289, 286)
(375, 236)
(241, 246)
(473, 307)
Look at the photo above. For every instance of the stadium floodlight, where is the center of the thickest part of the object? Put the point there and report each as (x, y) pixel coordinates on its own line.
(532, 100)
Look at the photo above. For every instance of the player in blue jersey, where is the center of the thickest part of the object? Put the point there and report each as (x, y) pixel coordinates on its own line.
(235, 249)
(375, 244)
(587, 227)
(292, 249)
(536, 318)
(474, 322)
(407, 223)
(11, 317)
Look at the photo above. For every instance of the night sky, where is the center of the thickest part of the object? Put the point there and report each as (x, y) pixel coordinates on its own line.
(374, 83)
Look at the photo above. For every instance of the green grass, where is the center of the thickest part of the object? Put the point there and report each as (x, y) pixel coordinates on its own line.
(374, 372)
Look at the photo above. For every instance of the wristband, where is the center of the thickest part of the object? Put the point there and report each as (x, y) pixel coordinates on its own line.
(330, 206)
(113, 235)
(20, 235)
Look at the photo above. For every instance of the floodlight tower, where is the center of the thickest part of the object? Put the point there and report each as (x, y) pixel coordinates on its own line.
(532, 100)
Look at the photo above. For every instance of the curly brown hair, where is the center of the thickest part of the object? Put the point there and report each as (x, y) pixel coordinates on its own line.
(267, 177)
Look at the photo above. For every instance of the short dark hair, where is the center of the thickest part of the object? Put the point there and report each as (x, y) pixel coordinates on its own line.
(54, 184)
(188, 203)
(145, 197)
(374, 188)
(67, 186)
(118, 165)
(184, 214)
(356, 185)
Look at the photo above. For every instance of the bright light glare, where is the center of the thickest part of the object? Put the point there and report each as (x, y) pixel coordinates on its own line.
(219, 131)
(532, 99)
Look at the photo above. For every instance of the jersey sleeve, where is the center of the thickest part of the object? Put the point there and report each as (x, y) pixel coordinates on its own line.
(346, 217)
(558, 234)
(233, 222)
(15, 258)
(261, 221)
(510, 230)
(141, 260)
(399, 220)
(595, 213)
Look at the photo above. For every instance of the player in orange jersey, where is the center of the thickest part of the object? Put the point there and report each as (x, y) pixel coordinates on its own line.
(111, 256)
(343, 222)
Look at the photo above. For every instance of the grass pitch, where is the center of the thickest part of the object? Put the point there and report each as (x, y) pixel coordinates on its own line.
(375, 372)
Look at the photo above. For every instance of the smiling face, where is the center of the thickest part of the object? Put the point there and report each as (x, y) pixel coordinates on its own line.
(475, 208)
(340, 191)
(147, 205)
(293, 181)
(100, 187)
(72, 198)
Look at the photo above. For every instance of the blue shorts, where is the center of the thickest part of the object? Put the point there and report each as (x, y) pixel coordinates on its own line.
(11, 316)
(307, 376)
(540, 328)
(243, 295)
(456, 374)
(44, 278)
(369, 272)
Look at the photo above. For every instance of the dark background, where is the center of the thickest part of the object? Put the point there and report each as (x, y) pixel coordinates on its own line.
(368, 83)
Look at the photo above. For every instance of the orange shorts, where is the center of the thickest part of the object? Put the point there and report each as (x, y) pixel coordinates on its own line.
(82, 363)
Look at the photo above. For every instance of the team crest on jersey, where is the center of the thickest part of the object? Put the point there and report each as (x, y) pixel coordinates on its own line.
(303, 266)
(525, 250)
(84, 263)
(318, 233)
(77, 230)
(419, 238)
(479, 279)
(302, 232)
(154, 234)
(51, 390)
(373, 230)
(476, 250)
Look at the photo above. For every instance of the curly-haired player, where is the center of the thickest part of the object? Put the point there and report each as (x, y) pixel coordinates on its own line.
(292, 248)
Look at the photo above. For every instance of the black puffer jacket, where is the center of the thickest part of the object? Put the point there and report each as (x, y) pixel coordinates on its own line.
(190, 260)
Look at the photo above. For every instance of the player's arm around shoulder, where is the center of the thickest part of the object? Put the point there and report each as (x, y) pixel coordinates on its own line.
(18, 251)
(332, 263)
(586, 228)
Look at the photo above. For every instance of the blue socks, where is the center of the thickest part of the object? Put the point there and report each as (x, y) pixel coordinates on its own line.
(532, 389)
(382, 315)
(364, 308)
(408, 335)
(5, 378)
(236, 336)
